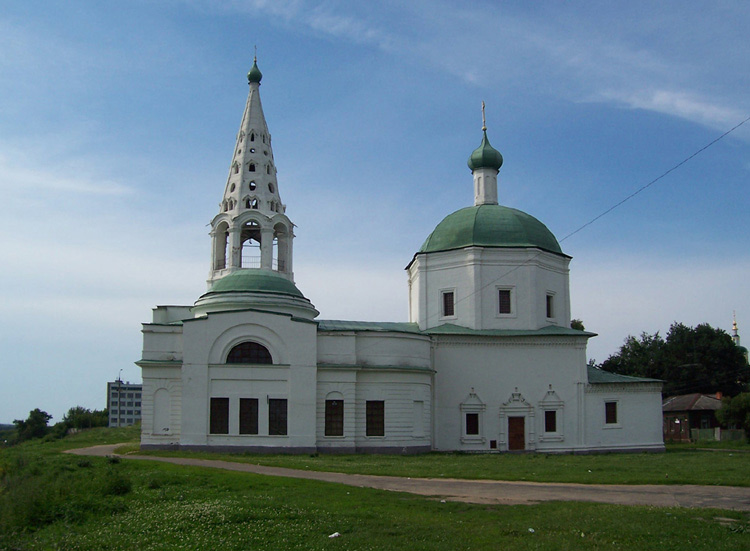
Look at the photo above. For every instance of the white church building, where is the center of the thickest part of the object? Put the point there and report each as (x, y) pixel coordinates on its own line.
(486, 362)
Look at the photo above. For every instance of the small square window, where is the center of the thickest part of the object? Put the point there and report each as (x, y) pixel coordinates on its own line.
(550, 421)
(610, 413)
(448, 304)
(504, 305)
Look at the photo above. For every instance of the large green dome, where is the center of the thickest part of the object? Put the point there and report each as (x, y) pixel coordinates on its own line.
(490, 226)
(254, 280)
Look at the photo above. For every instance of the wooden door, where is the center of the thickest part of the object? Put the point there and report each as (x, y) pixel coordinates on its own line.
(516, 433)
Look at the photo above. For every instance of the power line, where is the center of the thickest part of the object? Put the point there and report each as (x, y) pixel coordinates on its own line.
(610, 209)
(652, 182)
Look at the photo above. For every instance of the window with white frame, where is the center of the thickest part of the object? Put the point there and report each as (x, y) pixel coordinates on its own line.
(448, 303)
(375, 418)
(472, 414)
(611, 417)
(505, 301)
(550, 305)
(552, 408)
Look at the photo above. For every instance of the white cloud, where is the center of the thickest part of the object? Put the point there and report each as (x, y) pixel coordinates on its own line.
(680, 104)
(27, 179)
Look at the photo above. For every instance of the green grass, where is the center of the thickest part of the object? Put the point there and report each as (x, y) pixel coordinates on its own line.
(676, 466)
(57, 501)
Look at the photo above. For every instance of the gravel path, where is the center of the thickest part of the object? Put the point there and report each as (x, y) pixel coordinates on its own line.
(488, 491)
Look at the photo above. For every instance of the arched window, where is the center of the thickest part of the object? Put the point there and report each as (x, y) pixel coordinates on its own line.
(268, 169)
(249, 353)
(251, 167)
(252, 137)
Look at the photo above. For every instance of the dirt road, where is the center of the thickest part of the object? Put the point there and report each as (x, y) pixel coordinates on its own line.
(488, 491)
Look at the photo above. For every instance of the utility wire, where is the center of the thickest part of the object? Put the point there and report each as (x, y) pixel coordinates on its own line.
(652, 182)
(606, 212)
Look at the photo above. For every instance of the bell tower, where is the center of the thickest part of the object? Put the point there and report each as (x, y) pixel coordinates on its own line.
(251, 236)
(251, 229)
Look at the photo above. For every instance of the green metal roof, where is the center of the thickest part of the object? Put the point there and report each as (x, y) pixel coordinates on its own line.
(345, 325)
(254, 75)
(548, 331)
(485, 156)
(255, 280)
(447, 329)
(490, 226)
(599, 376)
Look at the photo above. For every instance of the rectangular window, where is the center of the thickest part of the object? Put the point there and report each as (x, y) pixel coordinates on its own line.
(277, 416)
(375, 418)
(610, 413)
(248, 416)
(550, 421)
(334, 418)
(472, 424)
(448, 305)
(504, 301)
(550, 306)
(219, 420)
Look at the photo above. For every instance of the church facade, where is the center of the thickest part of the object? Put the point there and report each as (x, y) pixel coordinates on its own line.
(486, 362)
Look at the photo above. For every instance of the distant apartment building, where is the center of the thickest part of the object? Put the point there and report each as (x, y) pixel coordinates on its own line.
(123, 403)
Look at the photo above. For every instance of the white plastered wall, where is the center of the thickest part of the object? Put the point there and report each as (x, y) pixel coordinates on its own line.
(496, 368)
(475, 274)
(292, 376)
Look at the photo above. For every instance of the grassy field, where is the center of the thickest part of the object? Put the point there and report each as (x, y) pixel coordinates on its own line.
(49, 500)
(679, 465)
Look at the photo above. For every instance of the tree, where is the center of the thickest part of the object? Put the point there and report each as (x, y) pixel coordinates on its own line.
(35, 426)
(83, 418)
(736, 411)
(691, 359)
(577, 324)
(644, 357)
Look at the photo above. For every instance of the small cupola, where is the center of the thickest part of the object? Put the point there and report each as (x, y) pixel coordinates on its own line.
(485, 162)
(485, 156)
(254, 76)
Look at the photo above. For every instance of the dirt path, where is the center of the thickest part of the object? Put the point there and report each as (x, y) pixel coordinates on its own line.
(489, 491)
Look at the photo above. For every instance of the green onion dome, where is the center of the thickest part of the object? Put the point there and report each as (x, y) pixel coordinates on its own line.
(254, 75)
(485, 156)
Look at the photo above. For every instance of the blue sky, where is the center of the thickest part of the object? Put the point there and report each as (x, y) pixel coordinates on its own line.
(118, 121)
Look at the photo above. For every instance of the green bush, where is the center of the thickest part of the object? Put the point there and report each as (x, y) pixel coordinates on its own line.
(116, 484)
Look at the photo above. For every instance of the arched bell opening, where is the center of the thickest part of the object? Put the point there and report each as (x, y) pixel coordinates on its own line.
(250, 239)
(281, 248)
(221, 245)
